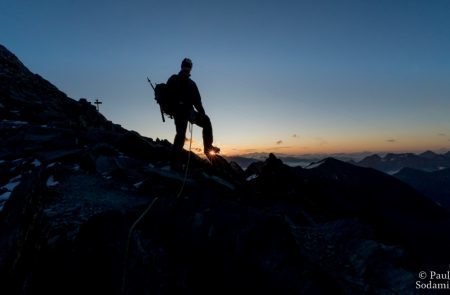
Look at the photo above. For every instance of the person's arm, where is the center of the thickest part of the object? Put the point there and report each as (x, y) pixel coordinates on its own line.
(197, 100)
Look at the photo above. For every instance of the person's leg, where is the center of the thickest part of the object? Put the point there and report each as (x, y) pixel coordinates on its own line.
(178, 143)
(204, 122)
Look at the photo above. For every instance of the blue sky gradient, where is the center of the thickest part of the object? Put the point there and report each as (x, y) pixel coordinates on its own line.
(342, 76)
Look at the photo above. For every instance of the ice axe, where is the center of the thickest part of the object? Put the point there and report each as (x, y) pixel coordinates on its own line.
(160, 107)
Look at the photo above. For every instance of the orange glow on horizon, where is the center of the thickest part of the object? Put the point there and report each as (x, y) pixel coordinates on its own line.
(337, 148)
(326, 144)
(342, 147)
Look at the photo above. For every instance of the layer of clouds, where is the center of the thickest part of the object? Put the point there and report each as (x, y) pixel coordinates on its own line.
(279, 148)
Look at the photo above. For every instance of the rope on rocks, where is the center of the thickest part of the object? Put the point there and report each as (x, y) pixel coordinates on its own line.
(138, 220)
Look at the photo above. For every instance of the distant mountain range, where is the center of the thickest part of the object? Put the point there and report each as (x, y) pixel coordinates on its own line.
(393, 163)
(389, 163)
(245, 161)
(310, 157)
(303, 160)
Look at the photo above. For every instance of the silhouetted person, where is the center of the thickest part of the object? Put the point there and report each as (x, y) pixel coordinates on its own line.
(185, 93)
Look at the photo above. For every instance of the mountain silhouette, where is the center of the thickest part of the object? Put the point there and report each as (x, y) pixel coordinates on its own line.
(72, 184)
(393, 163)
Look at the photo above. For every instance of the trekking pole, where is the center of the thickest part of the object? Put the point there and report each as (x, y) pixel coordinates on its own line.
(151, 84)
(160, 107)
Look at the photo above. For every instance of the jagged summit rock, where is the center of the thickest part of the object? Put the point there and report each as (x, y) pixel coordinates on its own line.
(10, 65)
(27, 97)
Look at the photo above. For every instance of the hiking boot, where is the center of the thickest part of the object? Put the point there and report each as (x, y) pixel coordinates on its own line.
(212, 150)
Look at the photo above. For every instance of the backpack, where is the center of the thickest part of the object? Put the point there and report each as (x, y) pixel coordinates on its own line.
(164, 99)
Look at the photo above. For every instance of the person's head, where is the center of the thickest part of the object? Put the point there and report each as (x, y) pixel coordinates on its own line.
(186, 65)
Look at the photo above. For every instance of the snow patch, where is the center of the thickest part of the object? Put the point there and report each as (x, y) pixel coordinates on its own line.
(219, 181)
(138, 185)
(392, 172)
(314, 165)
(251, 177)
(15, 122)
(5, 196)
(14, 179)
(51, 181)
(52, 164)
(106, 175)
(36, 163)
(11, 185)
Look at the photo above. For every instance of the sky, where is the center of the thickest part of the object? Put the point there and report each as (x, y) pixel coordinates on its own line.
(292, 77)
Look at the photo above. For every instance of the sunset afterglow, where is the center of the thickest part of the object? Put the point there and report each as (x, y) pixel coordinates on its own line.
(293, 77)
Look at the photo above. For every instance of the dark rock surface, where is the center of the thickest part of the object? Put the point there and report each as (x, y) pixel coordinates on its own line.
(72, 184)
(435, 185)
